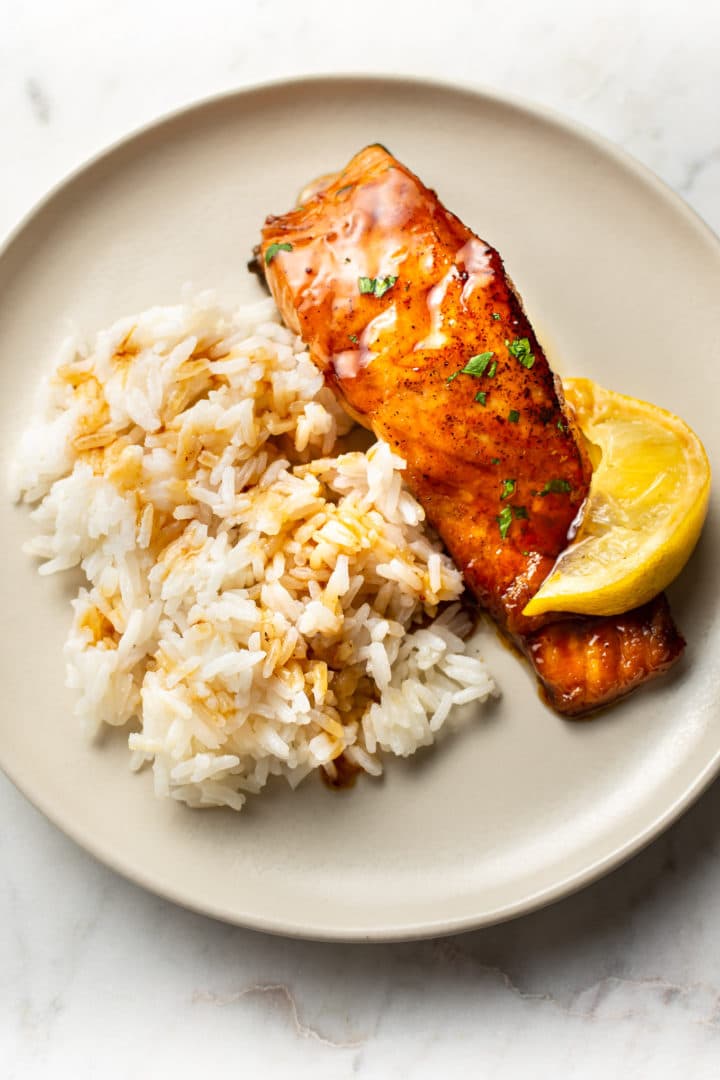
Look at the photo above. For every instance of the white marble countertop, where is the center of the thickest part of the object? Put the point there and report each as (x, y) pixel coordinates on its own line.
(98, 978)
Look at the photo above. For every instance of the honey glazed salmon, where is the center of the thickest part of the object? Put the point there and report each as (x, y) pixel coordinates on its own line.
(421, 334)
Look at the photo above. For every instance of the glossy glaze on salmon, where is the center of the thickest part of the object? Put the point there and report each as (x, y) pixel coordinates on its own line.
(585, 663)
(420, 332)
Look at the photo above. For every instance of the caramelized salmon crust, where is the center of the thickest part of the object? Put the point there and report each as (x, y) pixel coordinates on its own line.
(421, 334)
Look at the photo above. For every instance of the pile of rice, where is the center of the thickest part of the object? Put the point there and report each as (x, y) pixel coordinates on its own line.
(254, 606)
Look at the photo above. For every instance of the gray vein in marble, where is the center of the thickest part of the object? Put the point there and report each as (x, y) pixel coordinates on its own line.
(586, 1003)
(696, 167)
(282, 993)
(38, 99)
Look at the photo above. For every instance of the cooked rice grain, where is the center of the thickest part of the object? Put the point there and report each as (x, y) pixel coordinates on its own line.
(254, 606)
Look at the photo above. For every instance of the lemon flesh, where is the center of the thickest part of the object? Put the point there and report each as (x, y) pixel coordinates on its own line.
(644, 512)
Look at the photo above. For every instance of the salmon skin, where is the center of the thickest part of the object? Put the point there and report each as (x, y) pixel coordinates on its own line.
(421, 334)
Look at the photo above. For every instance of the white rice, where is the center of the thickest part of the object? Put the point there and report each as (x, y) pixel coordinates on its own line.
(254, 606)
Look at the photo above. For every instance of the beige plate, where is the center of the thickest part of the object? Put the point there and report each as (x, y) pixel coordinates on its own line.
(622, 282)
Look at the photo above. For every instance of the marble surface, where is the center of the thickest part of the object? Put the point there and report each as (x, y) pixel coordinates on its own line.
(99, 979)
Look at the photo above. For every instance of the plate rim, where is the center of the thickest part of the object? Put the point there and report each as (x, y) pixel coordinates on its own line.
(527, 903)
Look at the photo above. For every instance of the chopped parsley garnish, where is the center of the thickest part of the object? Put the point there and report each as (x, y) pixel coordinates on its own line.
(273, 250)
(492, 369)
(520, 349)
(504, 520)
(476, 365)
(495, 461)
(513, 416)
(561, 426)
(353, 338)
(376, 286)
(481, 396)
(557, 486)
(453, 376)
(495, 316)
(520, 511)
(508, 489)
(384, 284)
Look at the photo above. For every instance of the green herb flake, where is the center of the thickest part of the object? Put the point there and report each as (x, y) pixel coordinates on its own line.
(504, 520)
(561, 426)
(451, 377)
(481, 397)
(353, 338)
(557, 486)
(384, 284)
(342, 190)
(508, 489)
(520, 349)
(520, 511)
(513, 416)
(477, 365)
(492, 369)
(496, 316)
(273, 250)
(376, 286)
(495, 461)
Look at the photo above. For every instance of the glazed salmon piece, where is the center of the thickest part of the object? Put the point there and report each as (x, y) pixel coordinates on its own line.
(585, 663)
(419, 331)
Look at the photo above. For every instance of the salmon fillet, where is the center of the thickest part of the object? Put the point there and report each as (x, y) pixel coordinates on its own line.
(420, 333)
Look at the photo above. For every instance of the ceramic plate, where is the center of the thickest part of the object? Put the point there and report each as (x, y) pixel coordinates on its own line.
(622, 282)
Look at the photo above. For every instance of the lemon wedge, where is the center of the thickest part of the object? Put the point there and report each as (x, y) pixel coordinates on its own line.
(646, 506)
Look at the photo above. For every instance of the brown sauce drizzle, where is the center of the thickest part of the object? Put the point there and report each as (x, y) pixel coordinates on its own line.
(346, 774)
